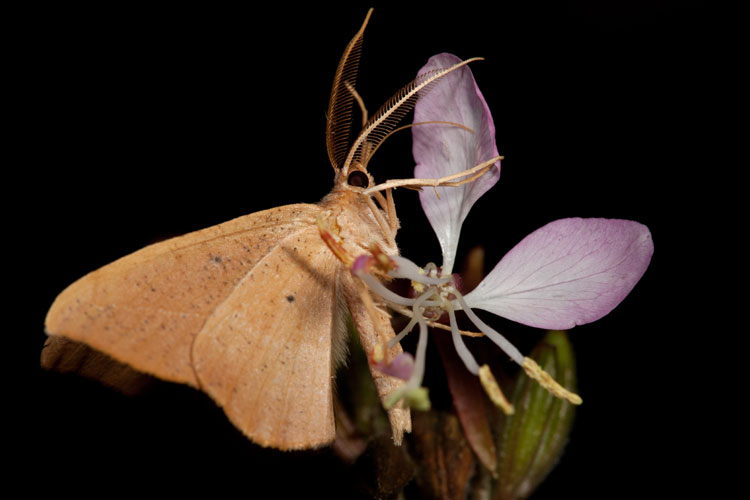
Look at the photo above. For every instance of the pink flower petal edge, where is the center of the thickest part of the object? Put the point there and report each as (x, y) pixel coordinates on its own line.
(443, 149)
(567, 273)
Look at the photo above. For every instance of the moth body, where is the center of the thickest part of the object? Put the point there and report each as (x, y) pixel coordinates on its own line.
(252, 311)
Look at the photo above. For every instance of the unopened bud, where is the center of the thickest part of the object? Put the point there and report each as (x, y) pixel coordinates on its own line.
(533, 438)
(418, 399)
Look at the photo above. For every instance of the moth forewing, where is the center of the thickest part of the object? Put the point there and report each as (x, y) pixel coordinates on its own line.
(146, 308)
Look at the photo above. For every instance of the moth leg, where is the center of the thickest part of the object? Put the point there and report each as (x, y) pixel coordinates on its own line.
(374, 326)
(448, 180)
(391, 210)
(384, 225)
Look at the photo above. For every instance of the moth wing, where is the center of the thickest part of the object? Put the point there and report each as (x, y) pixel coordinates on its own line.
(368, 328)
(146, 308)
(68, 356)
(265, 354)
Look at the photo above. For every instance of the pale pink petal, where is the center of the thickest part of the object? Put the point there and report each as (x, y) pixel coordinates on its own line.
(401, 367)
(569, 272)
(441, 149)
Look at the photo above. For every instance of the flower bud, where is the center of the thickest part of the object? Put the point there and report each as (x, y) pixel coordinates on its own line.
(532, 439)
(418, 399)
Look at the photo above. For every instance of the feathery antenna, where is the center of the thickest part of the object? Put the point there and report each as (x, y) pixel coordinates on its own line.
(388, 116)
(340, 105)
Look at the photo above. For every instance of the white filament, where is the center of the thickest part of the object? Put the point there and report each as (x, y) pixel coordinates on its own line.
(409, 270)
(418, 309)
(461, 349)
(377, 287)
(417, 375)
(398, 338)
(498, 339)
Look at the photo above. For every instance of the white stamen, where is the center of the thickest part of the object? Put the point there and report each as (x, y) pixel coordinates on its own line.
(461, 349)
(377, 287)
(417, 307)
(381, 290)
(421, 301)
(498, 339)
(398, 338)
(409, 270)
(417, 375)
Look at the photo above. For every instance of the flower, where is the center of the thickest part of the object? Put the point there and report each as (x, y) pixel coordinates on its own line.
(567, 273)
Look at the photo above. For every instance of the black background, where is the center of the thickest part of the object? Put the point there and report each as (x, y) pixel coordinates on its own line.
(146, 123)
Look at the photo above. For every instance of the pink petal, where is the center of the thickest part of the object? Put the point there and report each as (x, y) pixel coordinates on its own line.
(441, 149)
(569, 272)
(401, 367)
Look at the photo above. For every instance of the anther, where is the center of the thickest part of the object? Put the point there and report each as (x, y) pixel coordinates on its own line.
(534, 371)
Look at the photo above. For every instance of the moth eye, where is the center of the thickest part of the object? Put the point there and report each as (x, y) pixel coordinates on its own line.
(358, 179)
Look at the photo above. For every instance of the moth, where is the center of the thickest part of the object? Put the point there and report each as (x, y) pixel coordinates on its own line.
(253, 311)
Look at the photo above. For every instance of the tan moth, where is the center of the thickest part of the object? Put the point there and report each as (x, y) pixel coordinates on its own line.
(253, 311)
